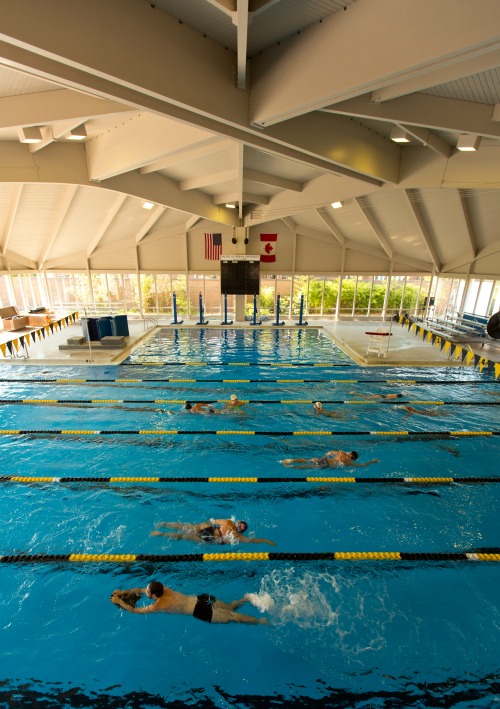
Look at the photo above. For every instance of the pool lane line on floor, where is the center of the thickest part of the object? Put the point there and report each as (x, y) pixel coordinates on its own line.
(168, 432)
(308, 479)
(402, 382)
(494, 555)
(236, 364)
(361, 402)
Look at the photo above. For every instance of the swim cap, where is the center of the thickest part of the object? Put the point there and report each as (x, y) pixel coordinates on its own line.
(318, 405)
(354, 455)
(233, 397)
(241, 526)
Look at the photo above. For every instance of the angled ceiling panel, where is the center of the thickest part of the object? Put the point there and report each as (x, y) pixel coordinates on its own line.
(352, 224)
(34, 218)
(392, 212)
(127, 222)
(17, 83)
(445, 222)
(477, 88)
(484, 210)
(83, 221)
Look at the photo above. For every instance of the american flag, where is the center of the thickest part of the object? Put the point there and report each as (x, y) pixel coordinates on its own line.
(213, 246)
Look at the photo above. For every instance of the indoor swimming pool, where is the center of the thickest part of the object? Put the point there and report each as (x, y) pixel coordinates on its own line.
(401, 631)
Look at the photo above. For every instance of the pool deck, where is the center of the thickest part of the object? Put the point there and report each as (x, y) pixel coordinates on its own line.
(404, 348)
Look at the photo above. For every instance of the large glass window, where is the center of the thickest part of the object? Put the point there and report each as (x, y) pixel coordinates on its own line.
(179, 289)
(99, 288)
(378, 295)
(196, 283)
(315, 295)
(267, 295)
(494, 306)
(444, 288)
(284, 290)
(27, 291)
(300, 284)
(212, 297)
(470, 298)
(130, 294)
(363, 295)
(5, 297)
(330, 297)
(149, 293)
(483, 297)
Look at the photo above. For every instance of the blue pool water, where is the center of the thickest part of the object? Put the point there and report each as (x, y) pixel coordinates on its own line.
(341, 633)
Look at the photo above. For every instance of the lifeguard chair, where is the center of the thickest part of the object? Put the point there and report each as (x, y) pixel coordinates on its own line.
(378, 342)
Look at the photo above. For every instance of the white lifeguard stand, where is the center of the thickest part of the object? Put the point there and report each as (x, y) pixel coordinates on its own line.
(379, 342)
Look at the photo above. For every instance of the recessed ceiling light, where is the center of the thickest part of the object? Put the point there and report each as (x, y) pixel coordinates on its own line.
(468, 143)
(336, 205)
(230, 205)
(398, 135)
(31, 134)
(148, 205)
(78, 133)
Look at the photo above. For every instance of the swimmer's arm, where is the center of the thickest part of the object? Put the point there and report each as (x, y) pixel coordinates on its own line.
(246, 540)
(363, 465)
(127, 607)
(129, 590)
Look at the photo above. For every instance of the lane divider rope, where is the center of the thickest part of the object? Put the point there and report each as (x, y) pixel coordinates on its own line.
(308, 479)
(494, 555)
(393, 402)
(169, 432)
(402, 382)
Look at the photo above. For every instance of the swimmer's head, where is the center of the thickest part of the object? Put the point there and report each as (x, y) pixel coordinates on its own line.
(188, 406)
(154, 588)
(318, 405)
(398, 396)
(241, 526)
(233, 397)
(353, 455)
(211, 411)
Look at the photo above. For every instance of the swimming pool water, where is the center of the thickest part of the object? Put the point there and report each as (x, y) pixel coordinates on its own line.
(342, 633)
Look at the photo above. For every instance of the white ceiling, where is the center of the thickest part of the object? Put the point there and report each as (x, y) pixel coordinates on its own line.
(280, 106)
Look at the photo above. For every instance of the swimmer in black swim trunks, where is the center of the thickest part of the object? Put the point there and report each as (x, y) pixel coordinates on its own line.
(204, 607)
(216, 531)
(333, 459)
(199, 408)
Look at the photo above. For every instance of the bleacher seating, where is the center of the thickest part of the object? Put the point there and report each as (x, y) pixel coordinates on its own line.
(466, 328)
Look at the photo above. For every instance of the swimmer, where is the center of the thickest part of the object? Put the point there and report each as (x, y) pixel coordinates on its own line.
(199, 408)
(233, 403)
(319, 411)
(216, 531)
(333, 459)
(423, 412)
(204, 607)
(377, 396)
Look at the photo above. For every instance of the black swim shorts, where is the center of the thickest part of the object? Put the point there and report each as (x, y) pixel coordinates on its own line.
(203, 609)
(322, 462)
(207, 534)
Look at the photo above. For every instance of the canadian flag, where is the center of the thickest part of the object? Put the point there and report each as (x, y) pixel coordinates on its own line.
(268, 247)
